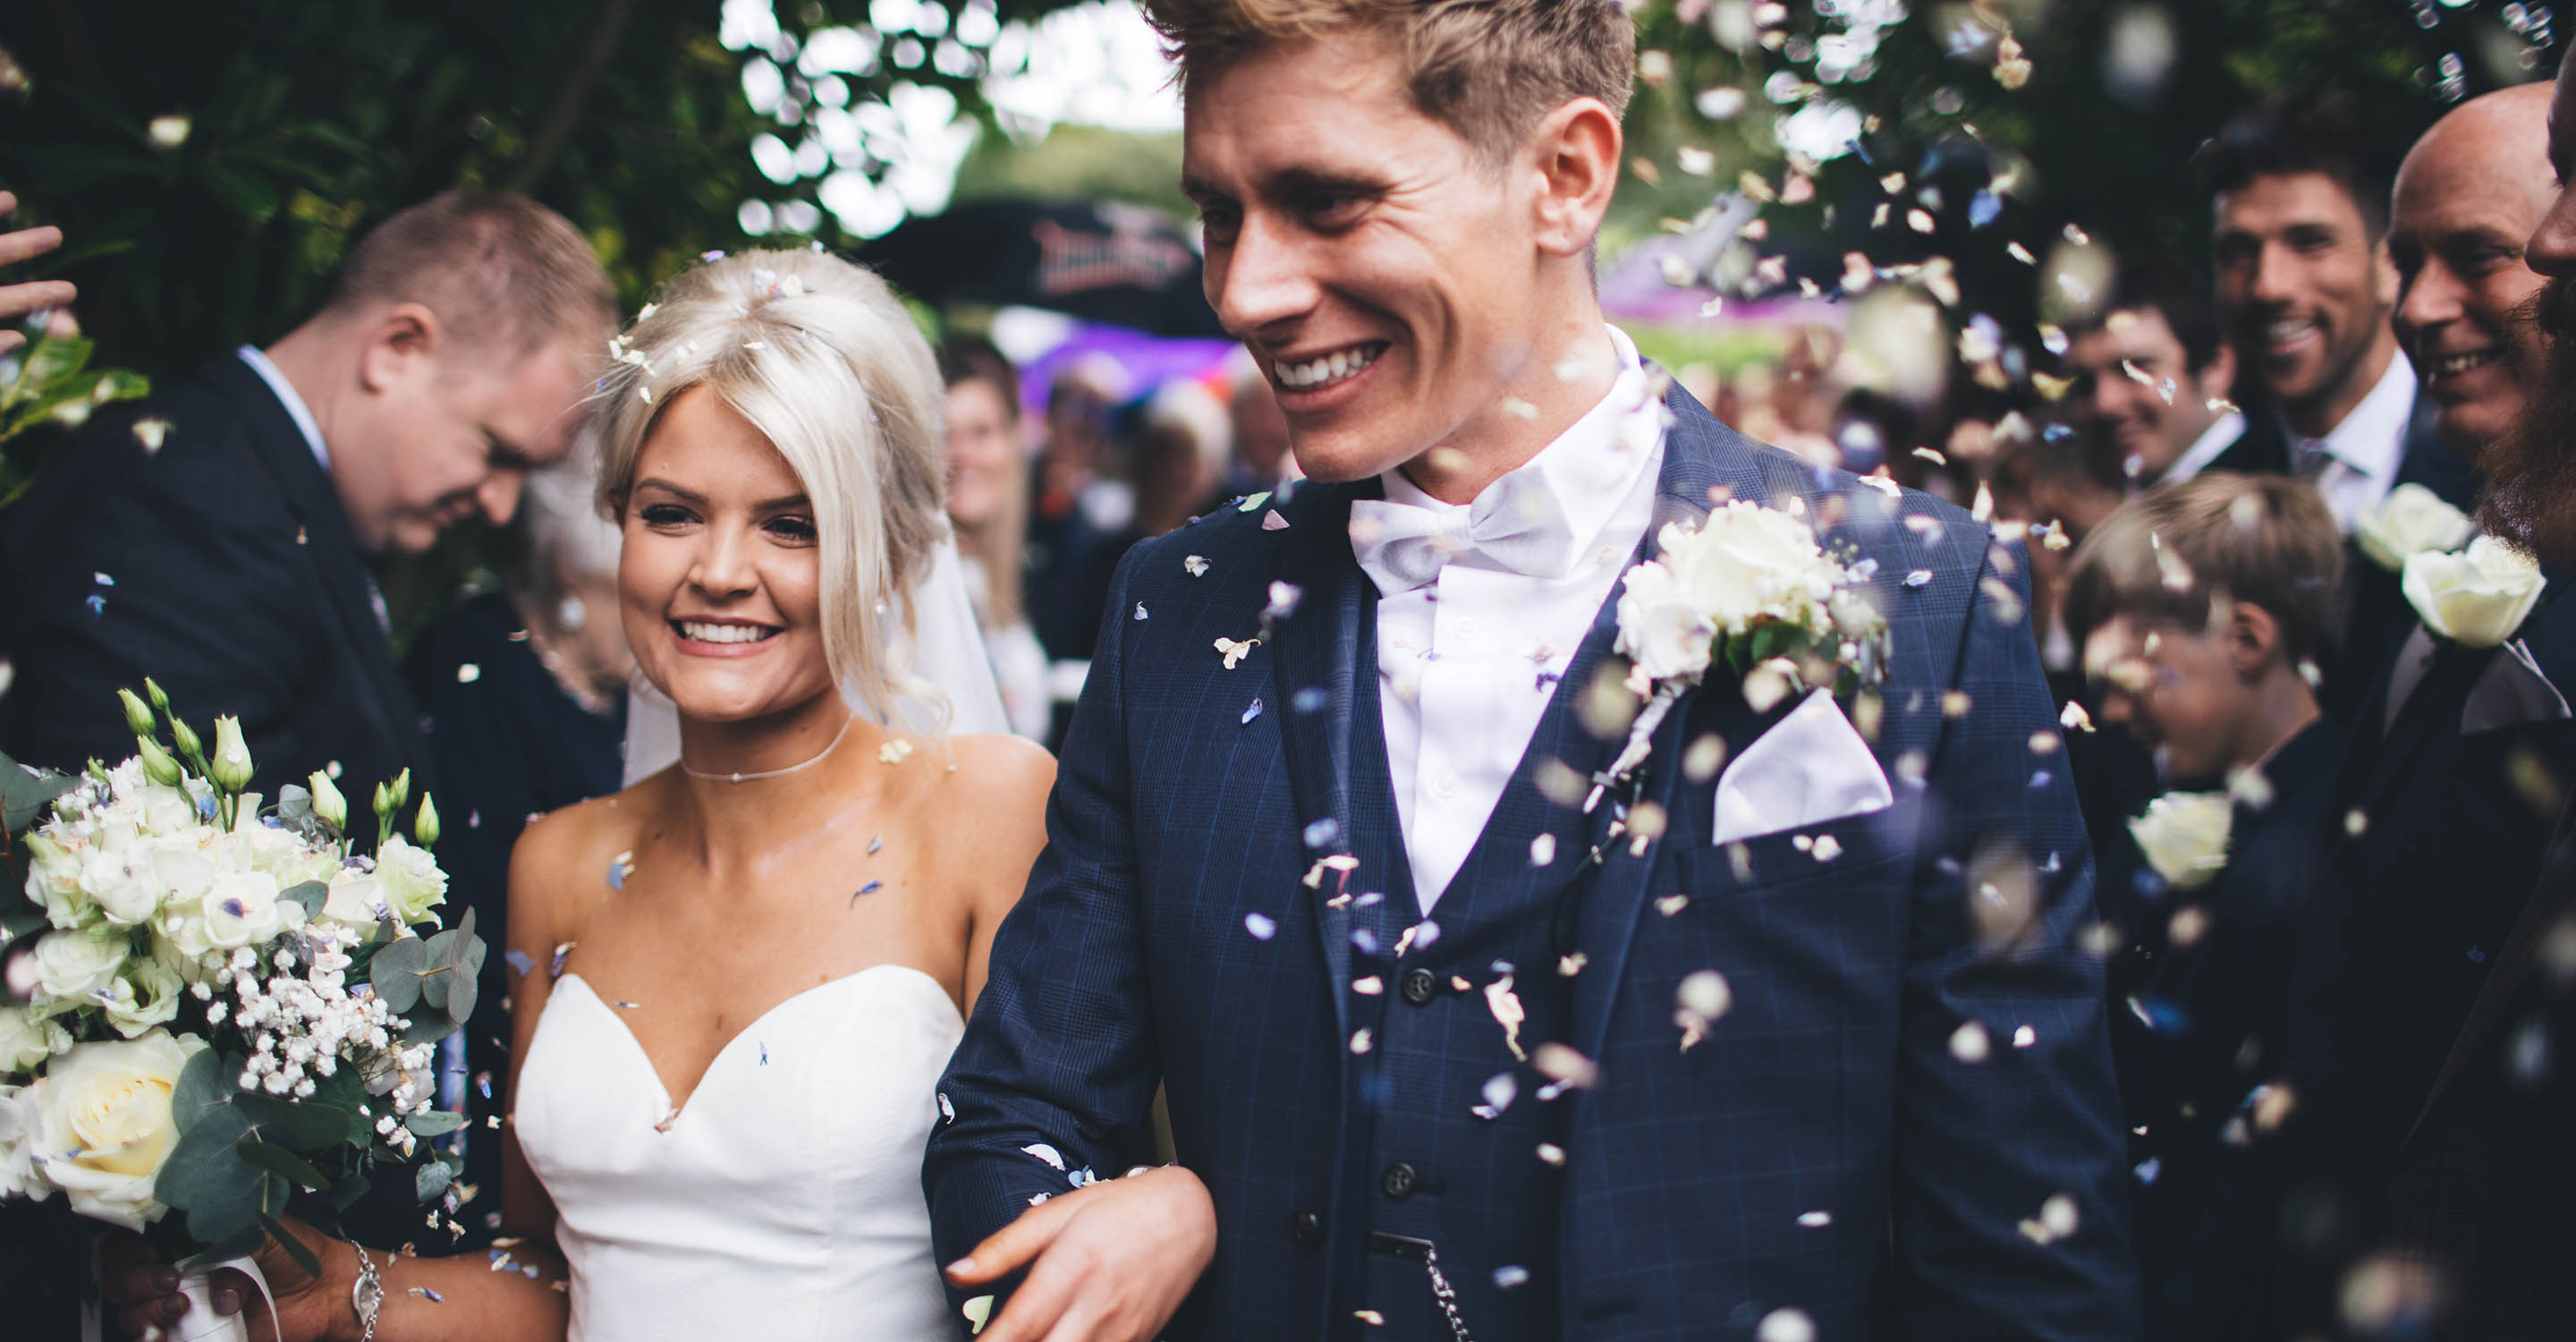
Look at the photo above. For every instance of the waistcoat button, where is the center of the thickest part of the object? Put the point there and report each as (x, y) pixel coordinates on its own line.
(1306, 1229)
(1398, 1181)
(1420, 986)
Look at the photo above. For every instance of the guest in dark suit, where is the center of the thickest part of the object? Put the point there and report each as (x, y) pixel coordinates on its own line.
(1454, 1053)
(2207, 897)
(2441, 1165)
(2305, 288)
(217, 536)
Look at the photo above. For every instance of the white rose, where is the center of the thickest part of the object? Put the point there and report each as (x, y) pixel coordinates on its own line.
(2184, 836)
(1748, 561)
(120, 881)
(2409, 522)
(145, 995)
(73, 965)
(24, 1042)
(356, 899)
(102, 1123)
(1660, 628)
(411, 880)
(2476, 598)
(18, 1176)
(242, 909)
(54, 883)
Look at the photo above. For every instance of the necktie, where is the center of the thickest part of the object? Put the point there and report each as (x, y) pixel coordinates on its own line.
(1515, 525)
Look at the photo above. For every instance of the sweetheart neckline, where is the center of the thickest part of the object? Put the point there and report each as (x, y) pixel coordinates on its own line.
(670, 1111)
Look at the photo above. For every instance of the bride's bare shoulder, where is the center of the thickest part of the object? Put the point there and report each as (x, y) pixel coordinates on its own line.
(999, 770)
(585, 836)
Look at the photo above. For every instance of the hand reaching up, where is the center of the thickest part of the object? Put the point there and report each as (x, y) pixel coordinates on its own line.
(1111, 1261)
(19, 300)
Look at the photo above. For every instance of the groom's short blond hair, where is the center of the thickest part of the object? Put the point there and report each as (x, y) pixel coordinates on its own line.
(1489, 69)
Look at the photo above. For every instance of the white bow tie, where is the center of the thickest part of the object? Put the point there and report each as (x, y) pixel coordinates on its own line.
(1516, 524)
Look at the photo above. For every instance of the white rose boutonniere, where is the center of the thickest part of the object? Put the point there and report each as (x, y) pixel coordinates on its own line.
(2184, 836)
(1749, 587)
(2476, 598)
(2412, 520)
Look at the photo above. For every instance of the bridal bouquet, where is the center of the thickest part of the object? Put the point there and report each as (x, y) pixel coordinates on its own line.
(228, 1004)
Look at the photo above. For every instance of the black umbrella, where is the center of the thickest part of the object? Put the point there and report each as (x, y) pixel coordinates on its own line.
(1106, 262)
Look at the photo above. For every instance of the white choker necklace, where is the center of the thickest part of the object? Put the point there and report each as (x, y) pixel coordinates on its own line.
(774, 773)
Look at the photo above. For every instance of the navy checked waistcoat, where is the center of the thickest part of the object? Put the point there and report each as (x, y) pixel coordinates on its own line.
(1825, 1148)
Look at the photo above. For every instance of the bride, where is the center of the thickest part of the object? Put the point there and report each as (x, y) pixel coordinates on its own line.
(742, 976)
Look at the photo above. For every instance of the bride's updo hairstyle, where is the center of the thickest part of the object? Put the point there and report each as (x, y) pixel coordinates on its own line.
(819, 356)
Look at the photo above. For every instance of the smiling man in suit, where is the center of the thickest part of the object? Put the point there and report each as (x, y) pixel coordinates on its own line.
(1791, 1034)
(217, 537)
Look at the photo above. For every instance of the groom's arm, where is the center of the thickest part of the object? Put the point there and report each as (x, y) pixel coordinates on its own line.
(1995, 1146)
(1060, 1053)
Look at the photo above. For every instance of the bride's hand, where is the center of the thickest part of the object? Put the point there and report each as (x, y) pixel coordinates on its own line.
(1111, 1261)
(143, 1288)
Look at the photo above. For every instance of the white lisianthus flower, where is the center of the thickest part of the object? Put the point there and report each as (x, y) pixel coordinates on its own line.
(2412, 520)
(121, 882)
(54, 883)
(144, 995)
(102, 1124)
(410, 878)
(356, 900)
(72, 965)
(18, 1175)
(1660, 627)
(242, 909)
(2476, 598)
(2184, 836)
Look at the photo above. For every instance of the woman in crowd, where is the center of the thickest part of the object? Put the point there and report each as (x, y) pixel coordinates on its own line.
(988, 503)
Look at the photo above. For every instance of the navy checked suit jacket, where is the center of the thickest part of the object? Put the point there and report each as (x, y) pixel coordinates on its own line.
(1839, 1083)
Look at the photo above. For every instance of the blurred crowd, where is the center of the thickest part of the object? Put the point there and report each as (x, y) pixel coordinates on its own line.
(2316, 713)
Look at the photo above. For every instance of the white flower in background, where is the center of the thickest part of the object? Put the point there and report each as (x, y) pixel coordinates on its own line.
(2184, 836)
(411, 880)
(73, 965)
(2412, 520)
(102, 1123)
(18, 1176)
(2476, 598)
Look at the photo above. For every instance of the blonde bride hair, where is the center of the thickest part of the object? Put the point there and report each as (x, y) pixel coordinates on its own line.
(820, 356)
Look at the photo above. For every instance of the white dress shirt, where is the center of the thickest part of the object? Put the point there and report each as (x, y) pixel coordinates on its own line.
(1468, 663)
(2213, 441)
(296, 409)
(2356, 463)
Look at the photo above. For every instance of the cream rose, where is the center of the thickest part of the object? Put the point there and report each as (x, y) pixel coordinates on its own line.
(2410, 521)
(2184, 836)
(2476, 598)
(1660, 628)
(102, 1127)
(73, 965)
(410, 878)
(1746, 561)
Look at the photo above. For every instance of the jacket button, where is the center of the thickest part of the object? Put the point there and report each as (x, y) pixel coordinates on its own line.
(1307, 1229)
(1398, 1181)
(1420, 986)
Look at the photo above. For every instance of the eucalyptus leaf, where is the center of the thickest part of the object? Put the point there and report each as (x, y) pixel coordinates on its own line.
(205, 1170)
(434, 1123)
(235, 1219)
(432, 1179)
(345, 1194)
(25, 792)
(295, 1248)
(429, 1025)
(204, 1085)
(310, 894)
(278, 1160)
(292, 1124)
(395, 972)
(464, 984)
(241, 1242)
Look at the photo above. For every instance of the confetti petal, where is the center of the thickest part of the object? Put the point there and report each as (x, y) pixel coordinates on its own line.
(1261, 925)
(1272, 521)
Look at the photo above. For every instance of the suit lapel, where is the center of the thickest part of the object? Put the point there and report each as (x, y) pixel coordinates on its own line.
(1705, 462)
(1318, 651)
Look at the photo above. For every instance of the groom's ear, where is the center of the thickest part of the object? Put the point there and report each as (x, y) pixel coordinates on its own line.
(1574, 154)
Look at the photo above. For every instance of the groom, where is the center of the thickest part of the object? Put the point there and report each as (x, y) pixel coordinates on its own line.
(1787, 1036)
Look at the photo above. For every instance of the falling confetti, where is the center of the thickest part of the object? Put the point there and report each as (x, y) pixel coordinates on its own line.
(1251, 711)
(895, 751)
(1140, 611)
(1234, 651)
(1969, 1043)
(151, 433)
(619, 868)
(1507, 1277)
(1196, 566)
(1785, 1325)
(468, 673)
(562, 953)
(1542, 850)
(1272, 521)
(1508, 1012)
(1261, 925)
(977, 1311)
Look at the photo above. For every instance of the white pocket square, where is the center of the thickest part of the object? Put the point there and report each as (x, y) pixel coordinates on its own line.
(1809, 769)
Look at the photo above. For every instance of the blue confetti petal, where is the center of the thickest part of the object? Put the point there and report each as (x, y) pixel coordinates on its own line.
(1308, 700)
(1261, 926)
(1140, 610)
(520, 961)
(97, 604)
(483, 1083)
(2057, 433)
(869, 889)
(1252, 712)
(2041, 778)
(1364, 940)
(1984, 208)
(1322, 833)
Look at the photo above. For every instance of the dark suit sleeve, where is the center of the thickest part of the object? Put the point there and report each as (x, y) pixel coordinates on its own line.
(165, 566)
(2001, 898)
(1060, 1050)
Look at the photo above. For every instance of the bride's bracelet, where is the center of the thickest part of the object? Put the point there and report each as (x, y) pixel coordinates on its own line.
(366, 1295)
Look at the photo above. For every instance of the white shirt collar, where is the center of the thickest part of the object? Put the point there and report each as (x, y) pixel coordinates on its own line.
(295, 407)
(2213, 441)
(2372, 439)
(1589, 468)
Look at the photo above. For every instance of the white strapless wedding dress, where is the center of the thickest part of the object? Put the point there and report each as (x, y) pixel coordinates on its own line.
(783, 1202)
